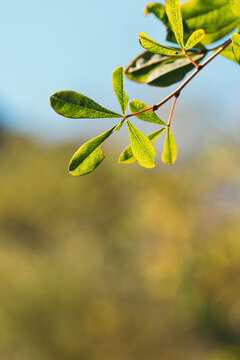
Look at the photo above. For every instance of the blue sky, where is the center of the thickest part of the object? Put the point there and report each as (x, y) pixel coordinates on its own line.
(52, 45)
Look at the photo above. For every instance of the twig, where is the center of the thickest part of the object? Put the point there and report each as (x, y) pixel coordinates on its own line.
(177, 92)
(172, 110)
(192, 61)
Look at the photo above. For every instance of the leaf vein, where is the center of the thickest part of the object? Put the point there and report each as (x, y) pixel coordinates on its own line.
(83, 107)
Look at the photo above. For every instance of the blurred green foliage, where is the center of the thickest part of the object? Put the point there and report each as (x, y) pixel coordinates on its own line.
(119, 265)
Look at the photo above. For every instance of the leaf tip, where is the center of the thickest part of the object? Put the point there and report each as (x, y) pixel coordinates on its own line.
(168, 163)
(71, 166)
(119, 68)
(146, 10)
(52, 98)
(140, 35)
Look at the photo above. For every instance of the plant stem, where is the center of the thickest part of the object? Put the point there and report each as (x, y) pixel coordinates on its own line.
(192, 61)
(140, 112)
(185, 83)
(177, 92)
(172, 110)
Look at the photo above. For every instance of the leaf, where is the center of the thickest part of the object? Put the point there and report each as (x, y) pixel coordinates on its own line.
(158, 10)
(119, 126)
(156, 48)
(169, 155)
(142, 147)
(215, 17)
(90, 163)
(159, 70)
(236, 47)
(150, 116)
(204, 14)
(127, 157)
(89, 155)
(77, 106)
(228, 53)
(117, 82)
(235, 4)
(175, 17)
(195, 38)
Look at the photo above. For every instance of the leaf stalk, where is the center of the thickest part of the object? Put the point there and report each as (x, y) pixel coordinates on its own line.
(172, 110)
(192, 61)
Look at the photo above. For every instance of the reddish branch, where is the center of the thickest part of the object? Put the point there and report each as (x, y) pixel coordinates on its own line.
(177, 92)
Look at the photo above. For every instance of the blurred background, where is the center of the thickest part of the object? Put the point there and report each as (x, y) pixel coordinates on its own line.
(125, 263)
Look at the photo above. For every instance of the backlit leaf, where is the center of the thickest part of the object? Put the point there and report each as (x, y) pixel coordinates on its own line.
(235, 4)
(149, 116)
(228, 53)
(117, 82)
(158, 10)
(77, 106)
(119, 126)
(195, 38)
(236, 46)
(156, 48)
(90, 163)
(127, 157)
(89, 155)
(159, 70)
(169, 155)
(142, 147)
(175, 17)
(215, 17)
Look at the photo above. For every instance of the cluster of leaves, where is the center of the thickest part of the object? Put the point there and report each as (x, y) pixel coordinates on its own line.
(201, 20)
(90, 155)
(191, 25)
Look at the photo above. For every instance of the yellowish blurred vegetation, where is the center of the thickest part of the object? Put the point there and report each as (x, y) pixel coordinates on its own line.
(123, 264)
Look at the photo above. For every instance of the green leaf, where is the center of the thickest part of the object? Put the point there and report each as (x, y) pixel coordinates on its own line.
(228, 53)
(89, 155)
(117, 82)
(119, 126)
(232, 51)
(169, 155)
(159, 70)
(142, 147)
(158, 10)
(77, 106)
(127, 157)
(89, 164)
(175, 17)
(236, 46)
(235, 4)
(215, 17)
(195, 38)
(155, 135)
(156, 48)
(204, 14)
(149, 116)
